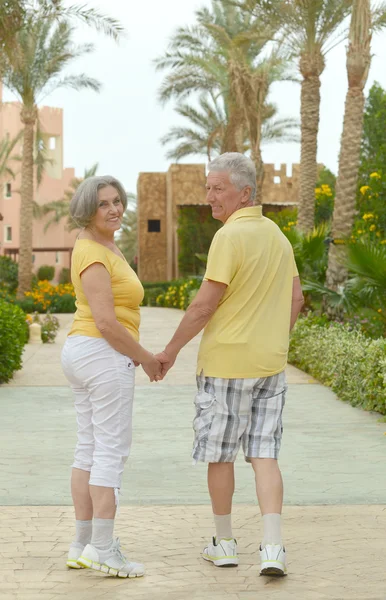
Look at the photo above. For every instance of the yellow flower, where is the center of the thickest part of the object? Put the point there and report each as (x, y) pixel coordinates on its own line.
(383, 242)
(291, 223)
(378, 234)
(372, 227)
(367, 216)
(375, 175)
(379, 310)
(359, 231)
(364, 189)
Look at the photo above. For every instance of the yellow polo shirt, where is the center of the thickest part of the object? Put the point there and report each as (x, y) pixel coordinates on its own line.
(126, 287)
(248, 335)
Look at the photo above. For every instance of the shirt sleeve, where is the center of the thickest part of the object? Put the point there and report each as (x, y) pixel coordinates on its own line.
(89, 256)
(222, 261)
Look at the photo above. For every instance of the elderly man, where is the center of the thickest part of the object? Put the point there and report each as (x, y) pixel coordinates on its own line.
(248, 302)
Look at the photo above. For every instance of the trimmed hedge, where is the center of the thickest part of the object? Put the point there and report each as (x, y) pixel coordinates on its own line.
(46, 273)
(353, 365)
(13, 336)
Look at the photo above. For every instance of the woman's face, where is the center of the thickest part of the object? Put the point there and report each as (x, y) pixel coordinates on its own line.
(109, 214)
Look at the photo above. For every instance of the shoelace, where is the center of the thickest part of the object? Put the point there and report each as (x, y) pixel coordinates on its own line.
(116, 550)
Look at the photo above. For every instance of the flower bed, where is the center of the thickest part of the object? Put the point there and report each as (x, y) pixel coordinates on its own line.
(180, 294)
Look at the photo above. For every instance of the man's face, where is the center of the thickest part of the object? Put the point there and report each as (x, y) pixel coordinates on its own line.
(222, 196)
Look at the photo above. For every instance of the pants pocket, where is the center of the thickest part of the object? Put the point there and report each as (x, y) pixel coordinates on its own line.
(205, 409)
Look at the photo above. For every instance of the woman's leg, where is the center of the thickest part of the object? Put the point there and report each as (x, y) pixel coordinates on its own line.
(81, 497)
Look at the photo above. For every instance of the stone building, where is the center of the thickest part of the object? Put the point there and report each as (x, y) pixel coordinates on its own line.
(160, 195)
(54, 246)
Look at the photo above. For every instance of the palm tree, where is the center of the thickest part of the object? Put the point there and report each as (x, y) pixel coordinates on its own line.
(60, 209)
(208, 124)
(363, 24)
(210, 56)
(43, 48)
(310, 28)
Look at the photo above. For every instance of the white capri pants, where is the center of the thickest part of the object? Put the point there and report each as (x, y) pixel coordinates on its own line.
(102, 381)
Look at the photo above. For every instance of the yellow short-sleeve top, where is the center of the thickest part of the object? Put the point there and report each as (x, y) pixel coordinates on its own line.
(127, 289)
(248, 335)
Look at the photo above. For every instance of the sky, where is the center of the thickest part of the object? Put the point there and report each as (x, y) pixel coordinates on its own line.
(120, 128)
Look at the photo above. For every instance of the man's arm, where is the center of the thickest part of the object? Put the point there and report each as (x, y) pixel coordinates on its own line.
(297, 301)
(196, 317)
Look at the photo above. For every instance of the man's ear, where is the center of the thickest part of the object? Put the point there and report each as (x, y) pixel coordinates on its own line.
(246, 197)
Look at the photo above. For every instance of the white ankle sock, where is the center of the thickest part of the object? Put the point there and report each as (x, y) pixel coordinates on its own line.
(223, 525)
(83, 533)
(102, 533)
(272, 529)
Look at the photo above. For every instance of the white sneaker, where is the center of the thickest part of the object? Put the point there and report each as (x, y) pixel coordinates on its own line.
(222, 553)
(273, 560)
(72, 558)
(111, 561)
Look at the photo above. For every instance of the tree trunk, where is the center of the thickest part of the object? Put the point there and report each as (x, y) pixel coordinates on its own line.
(358, 65)
(231, 138)
(311, 67)
(258, 160)
(28, 117)
(346, 185)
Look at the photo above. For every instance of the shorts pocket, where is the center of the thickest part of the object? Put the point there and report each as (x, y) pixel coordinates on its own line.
(205, 409)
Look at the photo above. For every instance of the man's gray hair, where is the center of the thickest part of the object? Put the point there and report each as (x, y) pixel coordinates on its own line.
(241, 169)
(84, 204)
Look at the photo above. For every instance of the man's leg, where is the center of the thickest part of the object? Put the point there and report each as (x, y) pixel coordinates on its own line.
(269, 490)
(221, 485)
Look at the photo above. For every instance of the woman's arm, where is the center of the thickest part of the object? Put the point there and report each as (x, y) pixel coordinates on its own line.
(96, 284)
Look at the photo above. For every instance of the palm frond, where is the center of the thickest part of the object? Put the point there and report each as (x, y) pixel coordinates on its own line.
(41, 50)
(91, 16)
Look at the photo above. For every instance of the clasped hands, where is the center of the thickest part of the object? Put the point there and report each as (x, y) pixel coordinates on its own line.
(157, 365)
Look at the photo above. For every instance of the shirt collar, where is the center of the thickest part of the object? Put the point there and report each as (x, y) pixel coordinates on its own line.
(251, 211)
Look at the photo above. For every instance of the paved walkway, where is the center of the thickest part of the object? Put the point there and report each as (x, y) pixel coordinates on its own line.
(332, 459)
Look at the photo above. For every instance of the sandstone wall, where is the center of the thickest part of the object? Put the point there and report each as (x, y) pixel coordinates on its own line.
(152, 246)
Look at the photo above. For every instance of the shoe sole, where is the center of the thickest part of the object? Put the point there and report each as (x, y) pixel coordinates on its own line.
(72, 564)
(89, 564)
(222, 562)
(273, 572)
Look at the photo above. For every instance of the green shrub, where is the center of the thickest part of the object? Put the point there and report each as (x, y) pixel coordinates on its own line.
(353, 365)
(13, 336)
(151, 295)
(63, 304)
(8, 274)
(65, 275)
(46, 273)
(28, 305)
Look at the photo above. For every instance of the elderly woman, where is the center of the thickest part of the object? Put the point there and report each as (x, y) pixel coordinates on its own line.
(99, 359)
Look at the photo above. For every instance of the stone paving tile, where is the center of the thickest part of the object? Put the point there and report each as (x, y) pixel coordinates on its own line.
(334, 553)
(331, 453)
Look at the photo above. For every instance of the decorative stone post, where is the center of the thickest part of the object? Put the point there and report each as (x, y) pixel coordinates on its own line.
(35, 333)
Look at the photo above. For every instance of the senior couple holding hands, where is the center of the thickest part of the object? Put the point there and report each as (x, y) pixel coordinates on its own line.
(247, 304)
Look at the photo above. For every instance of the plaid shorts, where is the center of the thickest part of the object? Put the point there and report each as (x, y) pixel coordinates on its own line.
(234, 411)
